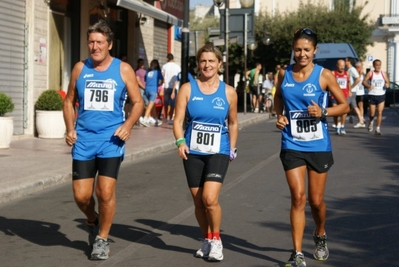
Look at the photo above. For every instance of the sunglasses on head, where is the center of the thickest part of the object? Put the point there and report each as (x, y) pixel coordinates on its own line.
(306, 31)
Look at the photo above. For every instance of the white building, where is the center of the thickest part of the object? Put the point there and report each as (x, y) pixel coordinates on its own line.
(41, 40)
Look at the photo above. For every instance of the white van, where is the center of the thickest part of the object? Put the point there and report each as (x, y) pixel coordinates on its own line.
(328, 54)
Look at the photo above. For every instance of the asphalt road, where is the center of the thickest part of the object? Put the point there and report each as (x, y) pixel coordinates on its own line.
(155, 223)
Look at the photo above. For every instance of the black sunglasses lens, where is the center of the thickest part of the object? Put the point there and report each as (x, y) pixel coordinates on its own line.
(308, 31)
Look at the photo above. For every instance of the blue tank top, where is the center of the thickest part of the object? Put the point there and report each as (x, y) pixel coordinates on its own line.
(101, 96)
(304, 133)
(152, 80)
(206, 132)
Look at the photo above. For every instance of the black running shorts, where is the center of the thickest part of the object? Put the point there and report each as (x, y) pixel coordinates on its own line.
(200, 169)
(318, 161)
(83, 169)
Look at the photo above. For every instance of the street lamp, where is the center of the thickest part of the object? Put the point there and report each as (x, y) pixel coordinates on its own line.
(246, 3)
(266, 40)
(220, 3)
(249, 43)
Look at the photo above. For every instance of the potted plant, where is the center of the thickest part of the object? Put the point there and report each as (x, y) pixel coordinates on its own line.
(49, 116)
(6, 123)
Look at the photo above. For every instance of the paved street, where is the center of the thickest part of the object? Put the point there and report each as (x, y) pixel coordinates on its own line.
(155, 223)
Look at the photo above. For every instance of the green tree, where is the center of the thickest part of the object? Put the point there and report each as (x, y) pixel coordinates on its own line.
(203, 24)
(342, 24)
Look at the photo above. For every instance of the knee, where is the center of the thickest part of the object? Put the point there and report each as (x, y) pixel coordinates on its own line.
(298, 201)
(105, 195)
(316, 204)
(210, 202)
(82, 198)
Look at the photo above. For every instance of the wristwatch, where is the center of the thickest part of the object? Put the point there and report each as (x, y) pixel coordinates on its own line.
(324, 113)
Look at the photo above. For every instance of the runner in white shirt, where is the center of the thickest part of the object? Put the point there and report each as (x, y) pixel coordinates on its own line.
(376, 81)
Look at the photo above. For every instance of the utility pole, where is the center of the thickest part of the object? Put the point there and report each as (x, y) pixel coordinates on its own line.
(185, 39)
(226, 41)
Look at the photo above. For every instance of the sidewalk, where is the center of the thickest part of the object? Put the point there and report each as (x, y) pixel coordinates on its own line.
(33, 164)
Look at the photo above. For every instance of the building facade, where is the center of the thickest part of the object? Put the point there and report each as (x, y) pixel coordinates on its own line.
(41, 40)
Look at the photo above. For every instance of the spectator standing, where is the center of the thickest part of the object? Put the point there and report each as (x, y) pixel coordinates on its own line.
(360, 89)
(153, 79)
(354, 82)
(207, 144)
(376, 81)
(267, 88)
(140, 75)
(253, 77)
(170, 70)
(305, 141)
(101, 85)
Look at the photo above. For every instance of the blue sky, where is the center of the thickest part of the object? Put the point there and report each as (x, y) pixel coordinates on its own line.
(193, 3)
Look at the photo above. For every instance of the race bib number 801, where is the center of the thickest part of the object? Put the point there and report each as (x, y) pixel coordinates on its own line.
(305, 127)
(205, 137)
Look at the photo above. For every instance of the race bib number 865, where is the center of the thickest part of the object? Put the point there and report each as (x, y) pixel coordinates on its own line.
(305, 127)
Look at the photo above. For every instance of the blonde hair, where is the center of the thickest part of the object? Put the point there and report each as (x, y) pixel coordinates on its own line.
(209, 48)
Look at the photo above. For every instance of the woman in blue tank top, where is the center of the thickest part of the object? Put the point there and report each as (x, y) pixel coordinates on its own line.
(301, 107)
(207, 144)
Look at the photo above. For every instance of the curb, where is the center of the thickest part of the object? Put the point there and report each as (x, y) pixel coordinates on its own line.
(30, 187)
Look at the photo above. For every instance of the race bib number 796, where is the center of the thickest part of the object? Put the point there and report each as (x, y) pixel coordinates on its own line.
(99, 95)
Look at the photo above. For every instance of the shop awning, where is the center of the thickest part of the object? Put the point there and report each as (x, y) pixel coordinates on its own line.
(140, 6)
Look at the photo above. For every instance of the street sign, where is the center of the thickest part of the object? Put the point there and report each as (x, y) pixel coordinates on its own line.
(236, 23)
(370, 58)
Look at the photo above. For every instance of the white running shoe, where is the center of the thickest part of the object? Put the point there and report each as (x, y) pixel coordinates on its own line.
(143, 122)
(203, 252)
(154, 122)
(360, 125)
(216, 253)
(371, 126)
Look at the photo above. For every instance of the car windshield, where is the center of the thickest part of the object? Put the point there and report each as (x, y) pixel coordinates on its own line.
(393, 85)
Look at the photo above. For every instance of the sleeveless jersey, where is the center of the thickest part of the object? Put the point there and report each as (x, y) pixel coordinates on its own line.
(102, 96)
(342, 80)
(360, 86)
(206, 132)
(304, 133)
(378, 81)
(252, 77)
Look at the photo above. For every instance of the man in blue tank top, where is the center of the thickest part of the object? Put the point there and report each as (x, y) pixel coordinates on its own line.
(301, 107)
(100, 85)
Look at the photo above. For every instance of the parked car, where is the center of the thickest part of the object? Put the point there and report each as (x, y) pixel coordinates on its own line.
(392, 94)
(328, 54)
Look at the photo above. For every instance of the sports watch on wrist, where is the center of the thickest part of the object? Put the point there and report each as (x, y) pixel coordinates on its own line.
(324, 113)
